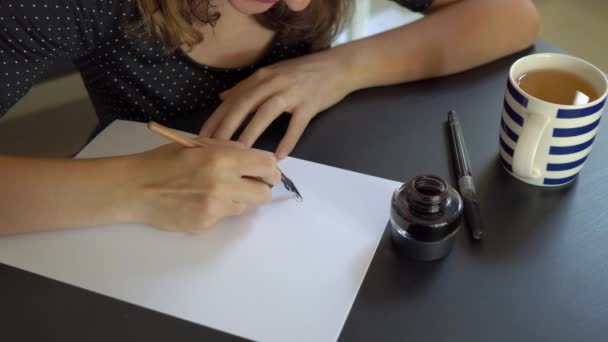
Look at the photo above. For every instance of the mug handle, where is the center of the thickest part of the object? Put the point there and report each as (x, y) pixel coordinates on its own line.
(527, 145)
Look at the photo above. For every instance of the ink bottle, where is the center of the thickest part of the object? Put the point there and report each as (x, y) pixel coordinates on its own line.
(426, 214)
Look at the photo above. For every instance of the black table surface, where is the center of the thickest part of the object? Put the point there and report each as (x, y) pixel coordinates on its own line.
(540, 274)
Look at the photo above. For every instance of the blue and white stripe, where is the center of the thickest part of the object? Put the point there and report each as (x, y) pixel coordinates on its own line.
(571, 139)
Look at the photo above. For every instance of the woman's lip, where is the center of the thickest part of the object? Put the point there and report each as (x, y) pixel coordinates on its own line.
(269, 1)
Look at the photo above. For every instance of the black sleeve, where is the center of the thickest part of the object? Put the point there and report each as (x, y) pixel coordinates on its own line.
(34, 33)
(415, 5)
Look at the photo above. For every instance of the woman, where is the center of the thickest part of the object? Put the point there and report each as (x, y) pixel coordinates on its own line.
(223, 61)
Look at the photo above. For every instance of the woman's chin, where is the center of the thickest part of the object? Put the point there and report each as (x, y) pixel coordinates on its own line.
(251, 7)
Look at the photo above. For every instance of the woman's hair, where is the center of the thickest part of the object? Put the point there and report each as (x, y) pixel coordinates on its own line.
(171, 21)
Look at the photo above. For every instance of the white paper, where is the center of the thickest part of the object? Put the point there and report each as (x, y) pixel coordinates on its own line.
(288, 272)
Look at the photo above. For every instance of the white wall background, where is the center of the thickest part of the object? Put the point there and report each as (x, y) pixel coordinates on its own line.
(374, 16)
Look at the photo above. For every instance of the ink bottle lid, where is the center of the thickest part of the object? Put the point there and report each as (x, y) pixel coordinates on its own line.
(426, 214)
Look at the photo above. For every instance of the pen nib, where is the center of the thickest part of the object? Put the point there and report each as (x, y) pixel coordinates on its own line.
(290, 186)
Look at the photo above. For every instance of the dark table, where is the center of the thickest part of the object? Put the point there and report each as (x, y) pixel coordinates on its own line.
(540, 274)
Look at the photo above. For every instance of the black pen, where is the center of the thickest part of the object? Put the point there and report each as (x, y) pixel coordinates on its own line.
(465, 177)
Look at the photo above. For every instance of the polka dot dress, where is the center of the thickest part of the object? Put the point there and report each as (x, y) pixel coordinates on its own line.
(127, 77)
(138, 81)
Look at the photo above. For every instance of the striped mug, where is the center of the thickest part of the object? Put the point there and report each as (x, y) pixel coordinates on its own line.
(543, 143)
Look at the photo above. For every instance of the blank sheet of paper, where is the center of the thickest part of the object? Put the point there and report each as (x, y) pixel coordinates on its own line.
(288, 272)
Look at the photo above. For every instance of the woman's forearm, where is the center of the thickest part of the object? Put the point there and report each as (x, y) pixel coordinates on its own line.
(49, 194)
(453, 38)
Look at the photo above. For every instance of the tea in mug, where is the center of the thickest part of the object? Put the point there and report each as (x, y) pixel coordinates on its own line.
(556, 86)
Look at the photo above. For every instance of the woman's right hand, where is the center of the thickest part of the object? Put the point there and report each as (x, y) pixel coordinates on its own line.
(191, 189)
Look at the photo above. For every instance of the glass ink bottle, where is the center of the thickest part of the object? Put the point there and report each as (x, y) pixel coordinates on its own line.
(426, 214)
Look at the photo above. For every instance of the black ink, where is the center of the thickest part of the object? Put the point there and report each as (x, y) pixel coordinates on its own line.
(425, 216)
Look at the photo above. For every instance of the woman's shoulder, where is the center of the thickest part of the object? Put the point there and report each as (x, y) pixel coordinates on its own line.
(85, 12)
(35, 33)
(69, 27)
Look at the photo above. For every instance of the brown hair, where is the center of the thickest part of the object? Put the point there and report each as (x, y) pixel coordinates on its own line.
(172, 21)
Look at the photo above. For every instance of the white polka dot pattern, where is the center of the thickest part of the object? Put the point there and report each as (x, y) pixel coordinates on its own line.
(35, 33)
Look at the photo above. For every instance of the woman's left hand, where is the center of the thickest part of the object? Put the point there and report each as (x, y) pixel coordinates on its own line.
(302, 86)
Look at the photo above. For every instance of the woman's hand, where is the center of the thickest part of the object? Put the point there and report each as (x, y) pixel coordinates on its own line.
(191, 189)
(303, 87)
(171, 187)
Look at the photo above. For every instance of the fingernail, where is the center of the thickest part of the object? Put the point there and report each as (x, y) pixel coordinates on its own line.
(281, 155)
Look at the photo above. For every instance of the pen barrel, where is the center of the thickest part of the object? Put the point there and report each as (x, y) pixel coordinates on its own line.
(461, 155)
(472, 212)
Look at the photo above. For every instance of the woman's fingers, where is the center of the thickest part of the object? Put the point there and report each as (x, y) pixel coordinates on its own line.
(246, 98)
(236, 208)
(260, 165)
(259, 193)
(242, 106)
(226, 93)
(191, 189)
(250, 192)
(211, 213)
(216, 118)
(225, 143)
(298, 123)
(265, 115)
(213, 121)
(237, 163)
